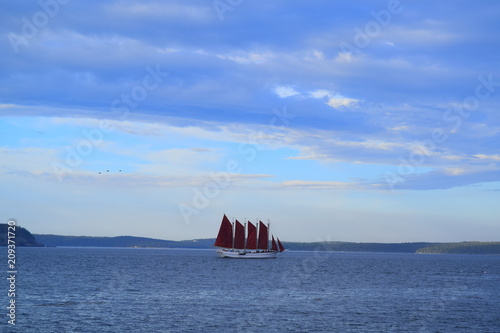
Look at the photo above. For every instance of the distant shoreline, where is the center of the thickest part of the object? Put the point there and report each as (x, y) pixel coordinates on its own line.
(24, 238)
(143, 242)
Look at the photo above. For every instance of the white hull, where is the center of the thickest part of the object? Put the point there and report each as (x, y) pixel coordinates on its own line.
(239, 254)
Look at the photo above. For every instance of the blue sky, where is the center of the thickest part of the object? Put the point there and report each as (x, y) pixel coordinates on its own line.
(359, 121)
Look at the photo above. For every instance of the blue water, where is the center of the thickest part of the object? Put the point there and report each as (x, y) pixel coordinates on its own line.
(166, 290)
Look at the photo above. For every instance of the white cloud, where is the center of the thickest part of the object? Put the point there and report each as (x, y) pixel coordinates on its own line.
(167, 11)
(168, 50)
(333, 99)
(400, 128)
(177, 161)
(337, 102)
(321, 93)
(307, 184)
(8, 106)
(430, 32)
(454, 171)
(345, 57)
(248, 57)
(285, 91)
(318, 54)
(494, 157)
(28, 159)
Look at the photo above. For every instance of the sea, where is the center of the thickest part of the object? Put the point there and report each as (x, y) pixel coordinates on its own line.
(185, 290)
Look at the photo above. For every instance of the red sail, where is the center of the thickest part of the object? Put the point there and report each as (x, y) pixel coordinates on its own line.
(225, 236)
(239, 236)
(263, 241)
(280, 245)
(274, 247)
(252, 236)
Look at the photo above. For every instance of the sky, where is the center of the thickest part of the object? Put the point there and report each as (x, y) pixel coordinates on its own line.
(363, 121)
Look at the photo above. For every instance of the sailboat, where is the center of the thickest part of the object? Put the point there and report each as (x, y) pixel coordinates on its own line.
(233, 243)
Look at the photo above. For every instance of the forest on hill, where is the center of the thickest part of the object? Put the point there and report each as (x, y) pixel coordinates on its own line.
(463, 248)
(20, 235)
(121, 241)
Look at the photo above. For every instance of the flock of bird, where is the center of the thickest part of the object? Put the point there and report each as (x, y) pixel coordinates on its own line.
(108, 171)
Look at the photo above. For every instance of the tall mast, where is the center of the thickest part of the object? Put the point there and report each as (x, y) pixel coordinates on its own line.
(268, 232)
(234, 231)
(245, 238)
(257, 229)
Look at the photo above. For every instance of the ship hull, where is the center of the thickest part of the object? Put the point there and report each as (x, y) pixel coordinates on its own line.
(224, 253)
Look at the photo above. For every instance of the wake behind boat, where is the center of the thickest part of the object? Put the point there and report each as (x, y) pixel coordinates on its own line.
(233, 243)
